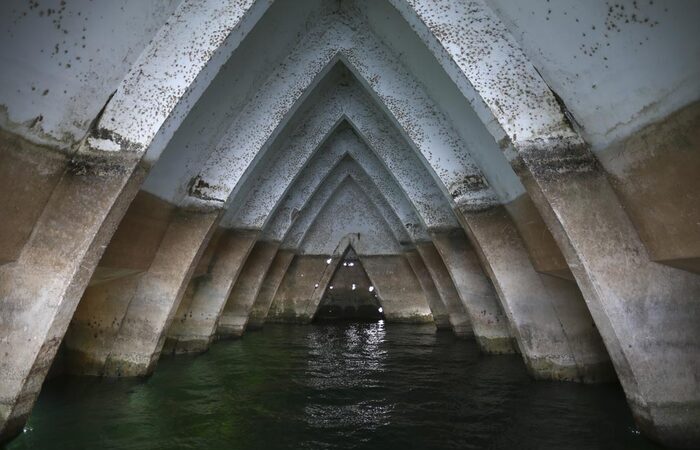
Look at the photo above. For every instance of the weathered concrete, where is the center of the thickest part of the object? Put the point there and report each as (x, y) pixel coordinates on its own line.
(98, 317)
(550, 349)
(437, 308)
(234, 317)
(454, 82)
(543, 249)
(646, 312)
(194, 326)
(268, 290)
(342, 102)
(457, 313)
(350, 294)
(96, 322)
(401, 295)
(302, 279)
(28, 174)
(654, 172)
(41, 289)
(142, 332)
(490, 325)
(340, 210)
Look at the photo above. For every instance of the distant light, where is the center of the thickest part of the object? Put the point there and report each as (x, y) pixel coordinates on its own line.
(381, 310)
(371, 288)
(330, 287)
(316, 285)
(328, 261)
(354, 286)
(351, 264)
(345, 263)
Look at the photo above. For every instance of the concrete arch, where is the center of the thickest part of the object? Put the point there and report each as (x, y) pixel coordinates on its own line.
(342, 145)
(297, 301)
(313, 259)
(514, 104)
(346, 102)
(297, 232)
(102, 176)
(561, 174)
(532, 275)
(236, 313)
(303, 223)
(349, 40)
(427, 150)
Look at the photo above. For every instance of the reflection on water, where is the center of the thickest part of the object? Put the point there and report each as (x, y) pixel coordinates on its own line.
(340, 386)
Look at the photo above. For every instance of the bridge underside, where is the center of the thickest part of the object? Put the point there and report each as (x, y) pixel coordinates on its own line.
(218, 164)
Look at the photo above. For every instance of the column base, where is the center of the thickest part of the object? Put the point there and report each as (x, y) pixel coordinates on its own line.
(181, 345)
(78, 362)
(412, 318)
(128, 366)
(497, 345)
(442, 322)
(461, 326)
(230, 331)
(289, 316)
(670, 424)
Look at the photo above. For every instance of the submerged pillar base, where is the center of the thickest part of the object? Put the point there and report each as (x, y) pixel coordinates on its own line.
(498, 345)
(233, 328)
(181, 345)
(671, 424)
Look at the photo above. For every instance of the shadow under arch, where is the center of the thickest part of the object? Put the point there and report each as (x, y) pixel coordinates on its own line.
(332, 263)
(350, 295)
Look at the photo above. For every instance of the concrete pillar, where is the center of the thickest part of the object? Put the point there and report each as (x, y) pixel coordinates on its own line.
(489, 323)
(297, 291)
(269, 288)
(398, 289)
(143, 330)
(103, 305)
(234, 318)
(544, 251)
(437, 307)
(457, 313)
(40, 290)
(538, 319)
(194, 326)
(647, 313)
(95, 324)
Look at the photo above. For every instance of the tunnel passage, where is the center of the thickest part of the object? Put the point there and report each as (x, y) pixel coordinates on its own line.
(174, 172)
(350, 295)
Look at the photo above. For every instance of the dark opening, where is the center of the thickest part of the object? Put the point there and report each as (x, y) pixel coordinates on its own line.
(350, 295)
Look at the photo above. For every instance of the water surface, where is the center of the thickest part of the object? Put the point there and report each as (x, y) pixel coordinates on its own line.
(338, 386)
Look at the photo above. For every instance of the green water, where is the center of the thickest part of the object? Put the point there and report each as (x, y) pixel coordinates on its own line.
(365, 386)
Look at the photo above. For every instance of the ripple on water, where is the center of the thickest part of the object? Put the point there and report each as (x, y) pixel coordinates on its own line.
(365, 386)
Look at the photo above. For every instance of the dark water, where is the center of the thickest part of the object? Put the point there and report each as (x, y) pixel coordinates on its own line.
(333, 386)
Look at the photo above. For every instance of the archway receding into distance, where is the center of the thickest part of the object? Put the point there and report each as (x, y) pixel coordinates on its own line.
(208, 172)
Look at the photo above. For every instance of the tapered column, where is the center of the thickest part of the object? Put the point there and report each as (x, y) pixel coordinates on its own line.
(457, 313)
(551, 346)
(647, 313)
(103, 305)
(41, 289)
(234, 318)
(142, 333)
(489, 323)
(272, 282)
(301, 289)
(194, 326)
(437, 307)
(398, 289)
